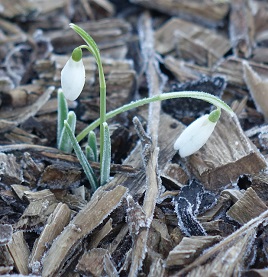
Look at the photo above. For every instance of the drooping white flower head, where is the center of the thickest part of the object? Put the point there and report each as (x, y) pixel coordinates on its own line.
(196, 134)
(73, 76)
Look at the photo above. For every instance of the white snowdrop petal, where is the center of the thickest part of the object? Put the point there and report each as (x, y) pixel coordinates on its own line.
(73, 79)
(194, 136)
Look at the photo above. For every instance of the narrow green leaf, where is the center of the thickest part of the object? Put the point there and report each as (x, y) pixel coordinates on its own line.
(82, 158)
(89, 154)
(62, 114)
(92, 143)
(106, 158)
(65, 144)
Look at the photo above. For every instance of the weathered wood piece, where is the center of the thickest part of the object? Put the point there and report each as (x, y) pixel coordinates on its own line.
(11, 118)
(96, 238)
(10, 169)
(42, 204)
(241, 28)
(257, 272)
(236, 247)
(189, 249)
(174, 173)
(157, 268)
(6, 231)
(27, 7)
(230, 68)
(96, 262)
(260, 186)
(20, 252)
(18, 135)
(7, 263)
(214, 163)
(10, 33)
(60, 177)
(206, 11)
(54, 226)
(247, 207)
(100, 206)
(257, 88)
(110, 35)
(191, 42)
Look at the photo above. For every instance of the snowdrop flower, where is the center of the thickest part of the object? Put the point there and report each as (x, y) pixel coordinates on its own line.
(73, 76)
(196, 134)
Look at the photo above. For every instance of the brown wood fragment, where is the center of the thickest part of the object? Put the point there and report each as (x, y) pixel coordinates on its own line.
(247, 207)
(257, 272)
(235, 247)
(205, 11)
(257, 88)
(223, 203)
(20, 252)
(165, 243)
(42, 204)
(7, 263)
(218, 228)
(10, 119)
(99, 207)
(191, 42)
(214, 163)
(24, 8)
(17, 135)
(118, 239)
(6, 231)
(175, 173)
(110, 35)
(157, 268)
(189, 249)
(156, 81)
(60, 177)
(74, 202)
(96, 238)
(55, 224)
(10, 169)
(260, 186)
(136, 217)
(95, 263)
(241, 27)
(230, 68)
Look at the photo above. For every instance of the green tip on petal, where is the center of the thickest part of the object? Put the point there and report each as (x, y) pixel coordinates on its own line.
(214, 115)
(77, 54)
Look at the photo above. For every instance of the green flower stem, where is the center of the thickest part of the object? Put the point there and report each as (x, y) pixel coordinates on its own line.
(106, 161)
(165, 96)
(93, 48)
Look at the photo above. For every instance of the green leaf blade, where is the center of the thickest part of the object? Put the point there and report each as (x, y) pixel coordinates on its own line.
(82, 158)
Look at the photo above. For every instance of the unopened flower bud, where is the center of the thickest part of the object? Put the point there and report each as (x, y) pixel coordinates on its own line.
(73, 76)
(196, 134)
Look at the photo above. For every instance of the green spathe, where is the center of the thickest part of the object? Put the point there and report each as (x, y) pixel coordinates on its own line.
(77, 54)
(214, 115)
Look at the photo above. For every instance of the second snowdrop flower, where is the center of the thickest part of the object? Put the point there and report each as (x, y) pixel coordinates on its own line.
(197, 134)
(73, 76)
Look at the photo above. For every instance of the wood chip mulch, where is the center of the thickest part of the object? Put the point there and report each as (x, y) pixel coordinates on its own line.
(159, 215)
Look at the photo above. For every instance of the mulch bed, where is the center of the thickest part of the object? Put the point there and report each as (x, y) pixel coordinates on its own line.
(159, 214)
